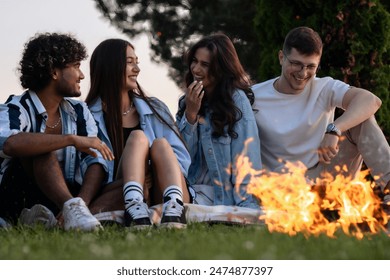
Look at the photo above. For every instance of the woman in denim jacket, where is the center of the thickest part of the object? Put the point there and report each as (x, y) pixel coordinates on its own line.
(215, 119)
(151, 160)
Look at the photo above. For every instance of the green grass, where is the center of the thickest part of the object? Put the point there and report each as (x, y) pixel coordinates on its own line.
(197, 242)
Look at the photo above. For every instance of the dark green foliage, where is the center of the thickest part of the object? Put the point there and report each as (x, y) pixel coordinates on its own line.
(356, 36)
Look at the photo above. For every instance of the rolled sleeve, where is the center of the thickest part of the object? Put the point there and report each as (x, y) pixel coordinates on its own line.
(185, 127)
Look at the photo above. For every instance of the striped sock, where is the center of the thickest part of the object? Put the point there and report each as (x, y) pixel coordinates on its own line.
(174, 192)
(132, 191)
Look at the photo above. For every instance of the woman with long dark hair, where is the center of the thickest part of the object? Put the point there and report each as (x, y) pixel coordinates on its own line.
(150, 156)
(216, 120)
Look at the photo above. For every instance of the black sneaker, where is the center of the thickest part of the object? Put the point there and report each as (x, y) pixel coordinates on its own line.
(137, 215)
(173, 214)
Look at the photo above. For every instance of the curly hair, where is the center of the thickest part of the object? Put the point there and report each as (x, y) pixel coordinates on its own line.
(230, 75)
(44, 52)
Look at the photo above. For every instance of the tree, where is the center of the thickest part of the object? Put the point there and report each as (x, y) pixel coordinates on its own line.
(174, 24)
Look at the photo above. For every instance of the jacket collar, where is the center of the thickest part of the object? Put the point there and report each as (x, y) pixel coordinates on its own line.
(41, 110)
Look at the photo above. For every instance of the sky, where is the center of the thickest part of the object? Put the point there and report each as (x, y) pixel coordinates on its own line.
(22, 19)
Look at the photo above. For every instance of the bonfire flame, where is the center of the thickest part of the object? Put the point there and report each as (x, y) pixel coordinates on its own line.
(292, 204)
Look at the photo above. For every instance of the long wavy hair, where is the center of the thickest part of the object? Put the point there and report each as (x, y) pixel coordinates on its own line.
(225, 67)
(107, 75)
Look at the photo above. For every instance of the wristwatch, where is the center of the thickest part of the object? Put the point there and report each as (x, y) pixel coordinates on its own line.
(332, 129)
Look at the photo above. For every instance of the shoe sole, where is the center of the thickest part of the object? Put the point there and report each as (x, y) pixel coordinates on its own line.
(140, 223)
(86, 227)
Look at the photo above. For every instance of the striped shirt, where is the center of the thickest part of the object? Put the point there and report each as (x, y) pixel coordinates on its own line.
(26, 113)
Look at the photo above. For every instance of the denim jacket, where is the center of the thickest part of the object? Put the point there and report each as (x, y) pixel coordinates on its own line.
(221, 153)
(151, 126)
(26, 113)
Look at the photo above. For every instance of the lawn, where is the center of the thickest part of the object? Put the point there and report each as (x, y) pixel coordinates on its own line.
(197, 242)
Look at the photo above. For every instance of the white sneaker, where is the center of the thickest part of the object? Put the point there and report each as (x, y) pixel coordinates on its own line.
(38, 214)
(78, 217)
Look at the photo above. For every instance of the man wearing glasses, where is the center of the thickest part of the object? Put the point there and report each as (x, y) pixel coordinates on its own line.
(295, 117)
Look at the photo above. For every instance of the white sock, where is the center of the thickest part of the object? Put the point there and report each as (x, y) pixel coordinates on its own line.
(132, 191)
(174, 192)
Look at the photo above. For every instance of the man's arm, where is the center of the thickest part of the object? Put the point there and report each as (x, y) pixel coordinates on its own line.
(32, 144)
(359, 105)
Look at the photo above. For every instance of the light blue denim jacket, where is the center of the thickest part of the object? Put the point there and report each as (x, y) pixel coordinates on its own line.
(26, 113)
(151, 126)
(220, 153)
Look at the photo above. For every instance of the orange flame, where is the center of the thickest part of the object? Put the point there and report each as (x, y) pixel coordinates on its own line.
(292, 204)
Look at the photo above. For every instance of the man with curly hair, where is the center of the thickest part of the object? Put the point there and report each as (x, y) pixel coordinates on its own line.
(49, 152)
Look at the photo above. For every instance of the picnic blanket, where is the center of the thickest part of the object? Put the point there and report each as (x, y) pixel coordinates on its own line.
(196, 213)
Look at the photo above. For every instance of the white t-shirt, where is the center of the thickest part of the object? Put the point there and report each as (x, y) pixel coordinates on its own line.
(291, 127)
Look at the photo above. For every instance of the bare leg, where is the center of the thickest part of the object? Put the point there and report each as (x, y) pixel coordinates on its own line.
(166, 170)
(49, 177)
(134, 159)
(134, 164)
(110, 199)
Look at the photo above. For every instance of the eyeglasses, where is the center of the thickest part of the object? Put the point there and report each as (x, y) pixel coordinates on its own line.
(299, 66)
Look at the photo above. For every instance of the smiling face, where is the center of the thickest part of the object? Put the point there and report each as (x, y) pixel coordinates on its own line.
(297, 70)
(132, 69)
(68, 80)
(200, 68)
